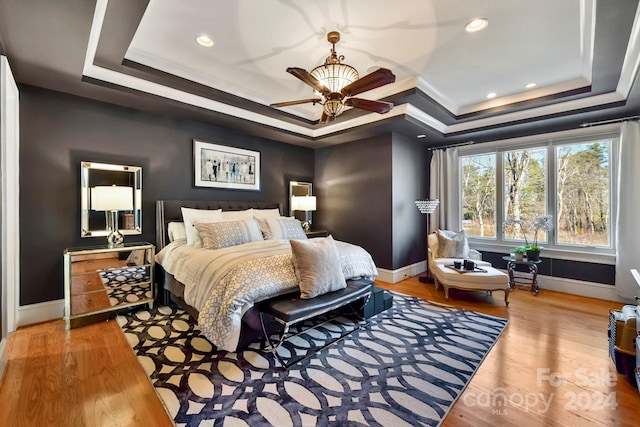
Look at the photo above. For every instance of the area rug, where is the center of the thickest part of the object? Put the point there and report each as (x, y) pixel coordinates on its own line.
(406, 368)
(126, 285)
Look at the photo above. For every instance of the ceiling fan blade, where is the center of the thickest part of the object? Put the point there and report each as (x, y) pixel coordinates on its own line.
(301, 101)
(307, 78)
(366, 104)
(378, 78)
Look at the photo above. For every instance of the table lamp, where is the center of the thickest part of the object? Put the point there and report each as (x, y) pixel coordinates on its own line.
(112, 199)
(306, 204)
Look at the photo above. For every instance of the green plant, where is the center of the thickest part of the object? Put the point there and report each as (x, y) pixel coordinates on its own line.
(533, 248)
(519, 250)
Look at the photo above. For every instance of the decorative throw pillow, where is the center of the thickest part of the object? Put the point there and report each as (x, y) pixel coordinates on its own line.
(452, 244)
(217, 235)
(190, 216)
(176, 231)
(317, 266)
(283, 228)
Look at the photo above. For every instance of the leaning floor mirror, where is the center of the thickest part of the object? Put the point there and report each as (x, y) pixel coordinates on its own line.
(110, 198)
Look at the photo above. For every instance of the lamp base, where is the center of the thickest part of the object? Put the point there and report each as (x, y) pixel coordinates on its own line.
(426, 279)
(115, 239)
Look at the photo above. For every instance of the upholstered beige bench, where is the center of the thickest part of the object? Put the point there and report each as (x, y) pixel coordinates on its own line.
(490, 280)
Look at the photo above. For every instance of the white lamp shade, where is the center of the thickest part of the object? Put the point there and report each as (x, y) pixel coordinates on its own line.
(111, 198)
(303, 203)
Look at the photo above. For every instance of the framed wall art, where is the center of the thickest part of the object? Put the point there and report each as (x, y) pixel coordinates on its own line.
(221, 166)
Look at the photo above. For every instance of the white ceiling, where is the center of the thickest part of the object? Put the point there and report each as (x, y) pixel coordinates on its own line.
(549, 42)
(584, 56)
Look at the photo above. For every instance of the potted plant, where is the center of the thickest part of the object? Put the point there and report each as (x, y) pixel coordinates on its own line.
(539, 223)
(519, 252)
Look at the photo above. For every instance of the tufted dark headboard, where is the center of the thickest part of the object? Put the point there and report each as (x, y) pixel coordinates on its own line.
(169, 210)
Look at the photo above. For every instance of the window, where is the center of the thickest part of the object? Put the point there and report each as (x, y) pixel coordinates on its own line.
(479, 195)
(569, 180)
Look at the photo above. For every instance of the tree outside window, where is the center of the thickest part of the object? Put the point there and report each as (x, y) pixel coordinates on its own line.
(572, 182)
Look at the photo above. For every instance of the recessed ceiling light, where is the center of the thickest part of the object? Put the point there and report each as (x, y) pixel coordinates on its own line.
(476, 24)
(530, 85)
(204, 40)
(491, 95)
(422, 135)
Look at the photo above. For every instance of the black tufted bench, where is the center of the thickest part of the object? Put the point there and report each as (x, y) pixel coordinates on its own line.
(290, 309)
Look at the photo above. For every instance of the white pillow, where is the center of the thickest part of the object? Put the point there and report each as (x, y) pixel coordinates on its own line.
(222, 234)
(190, 216)
(452, 244)
(283, 228)
(266, 213)
(236, 215)
(176, 231)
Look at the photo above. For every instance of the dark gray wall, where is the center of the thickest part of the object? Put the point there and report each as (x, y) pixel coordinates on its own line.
(58, 131)
(353, 184)
(410, 181)
(369, 188)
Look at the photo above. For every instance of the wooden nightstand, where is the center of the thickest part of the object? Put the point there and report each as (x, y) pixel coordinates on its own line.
(99, 280)
(316, 233)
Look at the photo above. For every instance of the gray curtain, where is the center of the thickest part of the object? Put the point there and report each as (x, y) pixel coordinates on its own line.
(627, 225)
(443, 185)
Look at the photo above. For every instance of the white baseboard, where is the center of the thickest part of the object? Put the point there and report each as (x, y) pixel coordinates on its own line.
(40, 312)
(395, 276)
(578, 287)
(3, 357)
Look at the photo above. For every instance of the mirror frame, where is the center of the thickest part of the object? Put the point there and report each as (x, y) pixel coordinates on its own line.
(85, 197)
(298, 188)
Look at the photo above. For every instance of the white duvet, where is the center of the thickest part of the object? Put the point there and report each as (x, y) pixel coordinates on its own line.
(223, 284)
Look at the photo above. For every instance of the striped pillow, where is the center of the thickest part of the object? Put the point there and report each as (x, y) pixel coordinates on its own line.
(217, 235)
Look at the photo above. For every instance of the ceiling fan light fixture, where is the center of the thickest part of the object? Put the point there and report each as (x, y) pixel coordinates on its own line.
(333, 107)
(335, 76)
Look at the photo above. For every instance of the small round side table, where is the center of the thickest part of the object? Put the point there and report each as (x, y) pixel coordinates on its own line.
(523, 280)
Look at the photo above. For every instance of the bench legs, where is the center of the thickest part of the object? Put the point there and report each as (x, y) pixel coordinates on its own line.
(273, 348)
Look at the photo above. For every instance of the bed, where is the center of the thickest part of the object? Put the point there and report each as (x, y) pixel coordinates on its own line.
(220, 285)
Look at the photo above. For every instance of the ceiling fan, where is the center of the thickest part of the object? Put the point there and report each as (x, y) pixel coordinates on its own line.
(336, 83)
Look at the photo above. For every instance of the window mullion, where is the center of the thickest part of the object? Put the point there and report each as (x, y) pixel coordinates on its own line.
(499, 210)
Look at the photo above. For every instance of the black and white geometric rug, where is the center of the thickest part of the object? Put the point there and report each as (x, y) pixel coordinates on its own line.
(127, 284)
(406, 368)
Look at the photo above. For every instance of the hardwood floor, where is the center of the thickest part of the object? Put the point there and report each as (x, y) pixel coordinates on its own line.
(89, 376)
(554, 350)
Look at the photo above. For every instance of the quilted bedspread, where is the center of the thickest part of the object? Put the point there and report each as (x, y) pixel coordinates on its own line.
(223, 284)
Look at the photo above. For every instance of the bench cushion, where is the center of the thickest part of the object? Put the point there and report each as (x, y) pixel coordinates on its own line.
(291, 307)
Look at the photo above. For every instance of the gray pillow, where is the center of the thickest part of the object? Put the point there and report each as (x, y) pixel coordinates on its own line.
(217, 235)
(452, 244)
(283, 228)
(317, 266)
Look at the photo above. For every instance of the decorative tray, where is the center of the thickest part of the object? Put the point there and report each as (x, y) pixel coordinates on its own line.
(462, 270)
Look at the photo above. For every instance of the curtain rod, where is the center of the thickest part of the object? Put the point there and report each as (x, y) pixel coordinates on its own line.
(442, 147)
(604, 122)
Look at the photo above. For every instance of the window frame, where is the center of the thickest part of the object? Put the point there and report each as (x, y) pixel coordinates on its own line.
(552, 248)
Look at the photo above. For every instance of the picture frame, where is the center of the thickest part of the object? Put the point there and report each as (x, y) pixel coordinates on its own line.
(223, 166)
